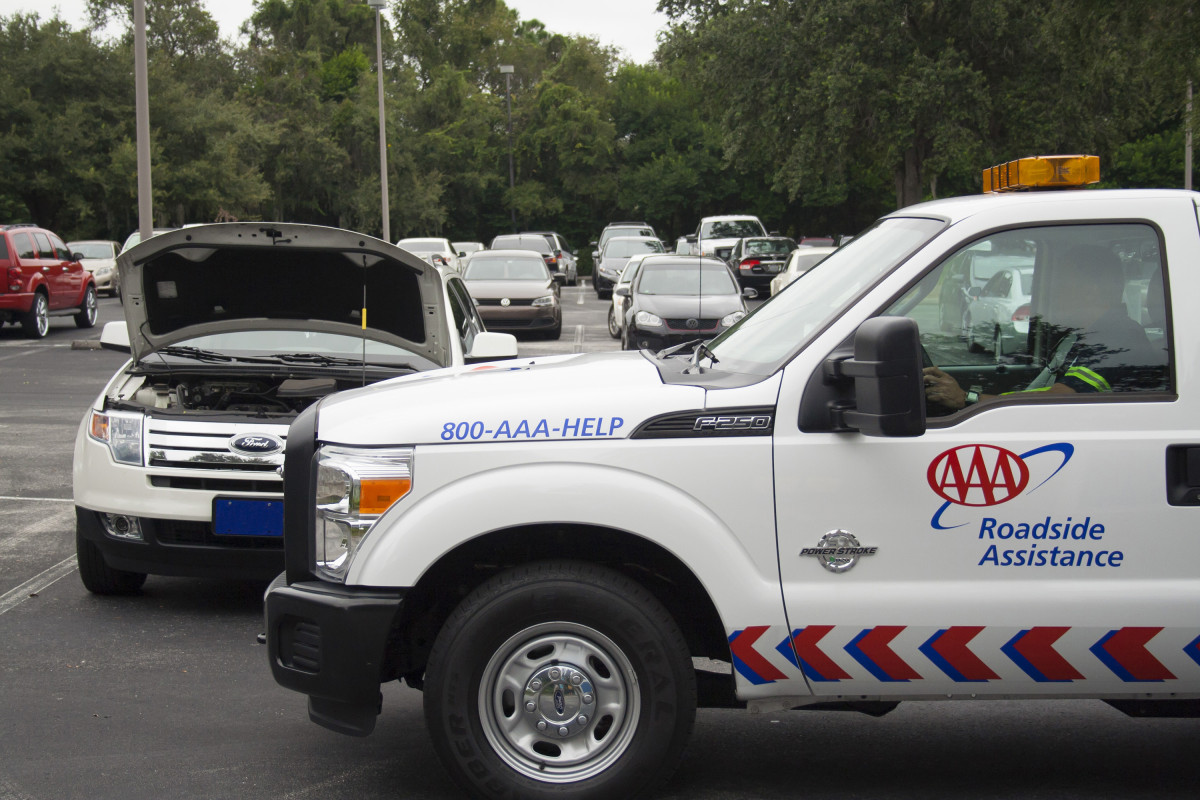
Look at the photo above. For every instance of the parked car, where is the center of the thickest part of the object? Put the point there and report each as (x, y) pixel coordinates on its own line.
(997, 318)
(612, 259)
(817, 241)
(614, 229)
(539, 244)
(971, 269)
(620, 300)
(234, 329)
(514, 291)
(800, 261)
(716, 236)
(135, 238)
(42, 279)
(756, 260)
(438, 252)
(99, 257)
(568, 262)
(675, 299)
(465, 249)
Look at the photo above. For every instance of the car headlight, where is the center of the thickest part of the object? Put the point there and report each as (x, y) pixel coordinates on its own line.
(544, 302)
(122, 432)
(354, 488)
(647, 320)
(103, 272)
(729, 320)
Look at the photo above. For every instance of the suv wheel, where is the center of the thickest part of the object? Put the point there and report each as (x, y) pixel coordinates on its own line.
(86, 317)
(98, 577)
(36, 323)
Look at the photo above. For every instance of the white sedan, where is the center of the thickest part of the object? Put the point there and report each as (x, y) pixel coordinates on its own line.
(997, 318)
(801, 260)
(438, 252)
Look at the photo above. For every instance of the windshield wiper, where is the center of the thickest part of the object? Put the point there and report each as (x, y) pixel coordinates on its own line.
(670, 351)
(317, 358)
(702, 350)
(194, 352)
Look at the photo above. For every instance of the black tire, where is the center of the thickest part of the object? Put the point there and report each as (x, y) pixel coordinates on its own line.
(86, 318)
(614, 330)
(36, 322)
(603, 643)
(98, 577)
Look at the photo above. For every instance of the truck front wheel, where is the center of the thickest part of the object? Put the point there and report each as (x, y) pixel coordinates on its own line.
(563, 680)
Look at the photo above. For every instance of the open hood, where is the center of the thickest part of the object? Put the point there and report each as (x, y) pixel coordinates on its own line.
(242, 276)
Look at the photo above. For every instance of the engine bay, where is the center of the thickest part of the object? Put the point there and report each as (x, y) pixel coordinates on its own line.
(242, 395)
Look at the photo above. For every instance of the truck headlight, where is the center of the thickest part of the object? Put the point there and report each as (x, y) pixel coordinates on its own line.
(122, 432)
(354, 488)
(644, 319)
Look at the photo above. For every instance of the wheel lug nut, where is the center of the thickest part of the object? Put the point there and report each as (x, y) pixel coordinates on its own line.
(530, 707)
(563, 731)
(541, 726)
(554, 674)
(535, 685)
(582, 719)
(587, 698)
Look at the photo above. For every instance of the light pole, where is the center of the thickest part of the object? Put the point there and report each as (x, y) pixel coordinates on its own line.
(379, 6)
(142, 122)
(507, 71)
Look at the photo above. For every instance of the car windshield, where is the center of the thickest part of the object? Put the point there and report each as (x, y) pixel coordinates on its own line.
(92, 249)
(423, 245)
(613, 233)
(685, 279)
(802, 262)
(769, 247)
(514, 268)
(294, 346)
(537, 243)
(624, 248)
(761, 342)
(731, 229)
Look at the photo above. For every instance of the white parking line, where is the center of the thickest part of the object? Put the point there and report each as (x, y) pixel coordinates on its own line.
(14, 597)
(40, 499)
(578, 343)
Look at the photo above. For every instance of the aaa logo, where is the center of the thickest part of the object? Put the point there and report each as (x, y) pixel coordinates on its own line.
(978, 475)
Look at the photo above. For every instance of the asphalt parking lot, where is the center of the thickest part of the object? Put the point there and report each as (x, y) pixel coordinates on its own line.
(168, 695)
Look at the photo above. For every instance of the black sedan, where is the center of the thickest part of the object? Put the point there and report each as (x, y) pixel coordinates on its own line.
(677, 298)
(757, 260)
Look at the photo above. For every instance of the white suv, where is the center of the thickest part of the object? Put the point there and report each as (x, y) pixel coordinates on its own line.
(235, 329)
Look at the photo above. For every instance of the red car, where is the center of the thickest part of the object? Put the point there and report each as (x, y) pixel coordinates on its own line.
(42, 278)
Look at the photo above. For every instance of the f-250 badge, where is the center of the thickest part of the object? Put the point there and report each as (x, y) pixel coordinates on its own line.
(838, 551)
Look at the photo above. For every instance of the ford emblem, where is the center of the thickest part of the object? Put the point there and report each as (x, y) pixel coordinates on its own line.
(560, 702)
(256, 444)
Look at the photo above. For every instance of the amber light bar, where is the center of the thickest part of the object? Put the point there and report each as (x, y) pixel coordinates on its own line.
(1042, 172)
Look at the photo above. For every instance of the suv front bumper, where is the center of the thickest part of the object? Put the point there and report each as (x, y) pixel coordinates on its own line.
(330, 642)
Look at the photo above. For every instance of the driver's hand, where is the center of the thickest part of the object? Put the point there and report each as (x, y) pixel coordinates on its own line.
(943, 390)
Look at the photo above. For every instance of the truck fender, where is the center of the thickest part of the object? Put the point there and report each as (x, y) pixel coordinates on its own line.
(408, 540)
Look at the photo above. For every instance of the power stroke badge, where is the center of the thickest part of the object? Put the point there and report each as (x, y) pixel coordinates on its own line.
(838, 551)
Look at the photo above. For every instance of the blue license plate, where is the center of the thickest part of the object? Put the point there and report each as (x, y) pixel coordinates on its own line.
(239, 517)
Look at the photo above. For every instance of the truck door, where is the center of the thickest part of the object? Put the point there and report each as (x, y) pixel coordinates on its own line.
(1025, 544)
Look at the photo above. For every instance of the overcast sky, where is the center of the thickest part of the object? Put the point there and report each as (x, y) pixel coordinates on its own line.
(630, 25)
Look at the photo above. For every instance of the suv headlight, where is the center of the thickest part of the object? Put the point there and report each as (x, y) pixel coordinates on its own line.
(354, 488)
(122, 432)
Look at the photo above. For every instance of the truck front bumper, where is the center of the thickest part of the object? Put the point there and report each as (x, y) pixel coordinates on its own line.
(330, 642)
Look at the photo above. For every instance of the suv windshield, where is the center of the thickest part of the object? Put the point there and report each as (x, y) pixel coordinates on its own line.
(624, 248)
(731, 229)
(762, 341)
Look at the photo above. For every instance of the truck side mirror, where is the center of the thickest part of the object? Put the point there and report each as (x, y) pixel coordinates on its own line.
(878, 390)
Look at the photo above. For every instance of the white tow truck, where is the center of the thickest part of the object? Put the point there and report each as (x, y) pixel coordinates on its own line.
(569, 555)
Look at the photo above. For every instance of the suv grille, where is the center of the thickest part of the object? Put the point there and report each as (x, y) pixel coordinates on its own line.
(204, 447)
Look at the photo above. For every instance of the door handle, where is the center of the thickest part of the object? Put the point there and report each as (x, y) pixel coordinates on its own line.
(1183, 474)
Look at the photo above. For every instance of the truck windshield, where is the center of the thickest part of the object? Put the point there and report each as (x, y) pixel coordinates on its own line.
(761, 342)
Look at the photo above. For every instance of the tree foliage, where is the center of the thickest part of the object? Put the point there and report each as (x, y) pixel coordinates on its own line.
(818, 115)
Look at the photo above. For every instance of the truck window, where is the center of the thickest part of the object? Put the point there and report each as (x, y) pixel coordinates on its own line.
(1070, 309)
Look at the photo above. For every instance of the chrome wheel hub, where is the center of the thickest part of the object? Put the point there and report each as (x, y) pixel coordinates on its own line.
(560, 700)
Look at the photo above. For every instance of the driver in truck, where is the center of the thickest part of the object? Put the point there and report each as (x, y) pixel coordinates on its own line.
(1096, 346)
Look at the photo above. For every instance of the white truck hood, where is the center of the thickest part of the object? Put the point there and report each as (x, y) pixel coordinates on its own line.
(601, 395)
(242, 276)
